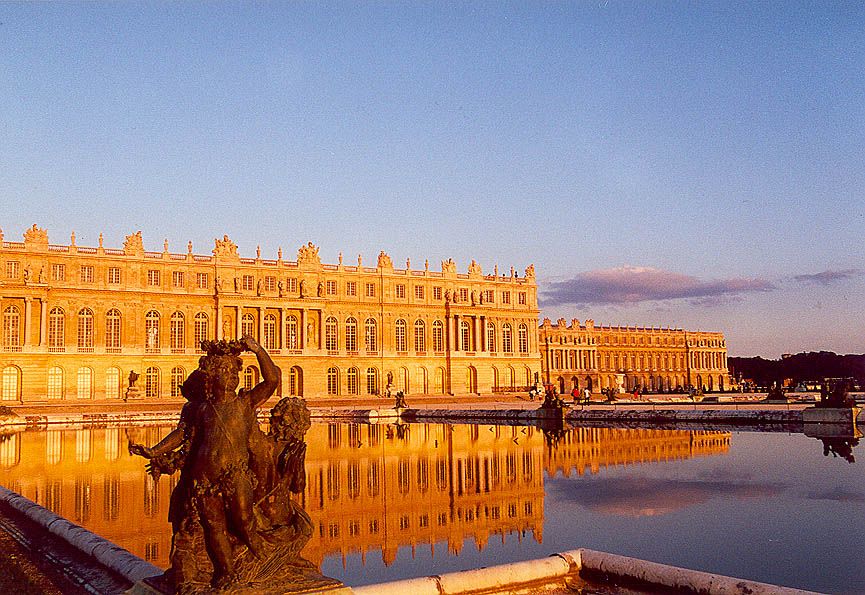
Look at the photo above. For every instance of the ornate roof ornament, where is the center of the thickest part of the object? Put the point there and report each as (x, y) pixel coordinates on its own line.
(36, 237)
(530, 271)
(384, 261)
(308, 254)
(475, 269)
(133, 245)
(225, 248)
(449, 266)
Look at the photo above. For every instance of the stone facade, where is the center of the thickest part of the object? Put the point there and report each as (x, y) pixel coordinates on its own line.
(77, 320)
(657, 360)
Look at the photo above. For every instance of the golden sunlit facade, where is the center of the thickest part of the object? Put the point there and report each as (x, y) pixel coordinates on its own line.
(77, 320)
(658, 360)
(370, 488)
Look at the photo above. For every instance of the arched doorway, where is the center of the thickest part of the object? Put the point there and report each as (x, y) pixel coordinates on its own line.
(472, 379)
(295, 381)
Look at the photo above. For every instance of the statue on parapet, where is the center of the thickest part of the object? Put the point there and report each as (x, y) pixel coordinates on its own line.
(835, 393)
(235, 525)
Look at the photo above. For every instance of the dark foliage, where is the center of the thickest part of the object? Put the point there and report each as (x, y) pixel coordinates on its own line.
(812, 366)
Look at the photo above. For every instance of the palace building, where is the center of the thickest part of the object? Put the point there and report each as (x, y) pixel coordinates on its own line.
(626, 358)
(81, 322)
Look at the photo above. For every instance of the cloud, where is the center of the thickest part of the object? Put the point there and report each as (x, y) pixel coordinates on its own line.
(837, 494)
(829, 277)
(630, 285)
(636, 497)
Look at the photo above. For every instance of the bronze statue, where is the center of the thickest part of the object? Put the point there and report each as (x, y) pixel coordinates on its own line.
(235, 525)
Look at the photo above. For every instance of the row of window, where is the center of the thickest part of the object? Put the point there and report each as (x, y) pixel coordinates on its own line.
(606, 339)
(201, 331)
(569, 359)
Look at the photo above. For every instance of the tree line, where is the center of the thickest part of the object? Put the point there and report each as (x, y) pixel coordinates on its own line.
(801, 367)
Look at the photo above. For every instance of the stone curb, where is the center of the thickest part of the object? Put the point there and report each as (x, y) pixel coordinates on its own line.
(110, 555)
(554, 569)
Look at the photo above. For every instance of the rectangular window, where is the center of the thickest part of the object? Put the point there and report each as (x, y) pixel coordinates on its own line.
(178, 279)
(330, 287)
(248, 283)
(437, 293)
(292, 284)
(506, 297)
(521, 298)
(350, 288)
(370, 290)
(270, 283)
(418, 292)
(153, 278)
(114, 275)
(58, 272)
(400, 291)
(86, 273)
(489, 296)
(464, 294)
(201, 280)
(12, 268)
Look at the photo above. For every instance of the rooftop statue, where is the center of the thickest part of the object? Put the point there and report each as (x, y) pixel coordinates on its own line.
(133, 244)
(235, 525)
(308, 254)
(225, 247)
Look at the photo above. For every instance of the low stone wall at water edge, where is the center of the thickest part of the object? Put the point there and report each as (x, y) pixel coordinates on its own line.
(752, 416)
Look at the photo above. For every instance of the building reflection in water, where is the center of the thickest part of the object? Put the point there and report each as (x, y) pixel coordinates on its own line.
(369, 487)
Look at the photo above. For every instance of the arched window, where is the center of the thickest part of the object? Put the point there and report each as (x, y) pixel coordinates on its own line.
(151, 382)
(507, 336)
(419, 335)
(491, 336)
(399, 335)
(85, 383)
(112, 383)
(178, 375)
(371, 381)
(351, 377)
(291, 339)
(438, 335)
(55, 383)
(11, 329)
(440, 385)
(465, 337)
(523, 338)
(247, 325)
(56, 330)
(370, 335)
(11, 383)
(351, 334)
(85, 330)
(270, 331)
(330, 338)
(151, 330)
(113, 325)
(201, 333)
(332, 381)
(177, 332)
(250, 377)
(295, 381)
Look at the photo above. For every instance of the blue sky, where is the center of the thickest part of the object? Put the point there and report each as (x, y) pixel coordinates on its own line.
(664, 164)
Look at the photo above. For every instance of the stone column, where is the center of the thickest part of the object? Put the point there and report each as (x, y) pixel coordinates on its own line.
(260, 324)
(280, 342)
(28, 312)
(43, 322)
(476, 343)
(237, 325)
(455, 326)
(301, 332)
(218, 334)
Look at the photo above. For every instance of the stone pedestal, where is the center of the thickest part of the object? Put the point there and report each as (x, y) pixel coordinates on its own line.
(830, 415)
(133, 393)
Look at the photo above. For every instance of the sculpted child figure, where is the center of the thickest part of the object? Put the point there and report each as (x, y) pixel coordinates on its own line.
(218, 429)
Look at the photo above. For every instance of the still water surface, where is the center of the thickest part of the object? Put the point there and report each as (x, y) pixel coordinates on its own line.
(436, 498)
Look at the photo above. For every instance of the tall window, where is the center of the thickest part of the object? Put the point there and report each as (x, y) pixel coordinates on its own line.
(400, 290)
(58, 272)
(248, 283)
(114, 275)
(85, 383)
(112, 383)
(372, 381)
(400, 330)
(419, 335)
(85, 329)
(201, 324)
(418, 292)
(113, 322)
(491, 336)
(291, 339)
(507, 338)
(465, 336)
(151, 329)
(11, 329)
(177, 377)
(270, 331)
(351, 334)
(351, 376)
(370, 335)
(151, 382)
(86, 273)
(201, 280)
(438, 335)
(370, 290)
(12, 269)
(55, 383)
(523, 338)
(153, 278)
(295, 378)
(178, 332)
(11, 383)
(350, 288)
(332, 381)
(330, 330)
(506, 297)
(330, 287)
(247, 325)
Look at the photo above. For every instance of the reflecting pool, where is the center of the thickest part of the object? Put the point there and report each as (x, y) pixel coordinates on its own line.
(391, 502)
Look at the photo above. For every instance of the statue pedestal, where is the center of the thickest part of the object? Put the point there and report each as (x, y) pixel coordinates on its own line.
(133, 393)
(830, 415)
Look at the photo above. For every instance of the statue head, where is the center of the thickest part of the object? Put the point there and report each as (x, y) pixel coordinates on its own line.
(221, 366)
(289, 419)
